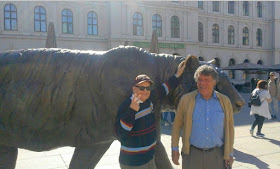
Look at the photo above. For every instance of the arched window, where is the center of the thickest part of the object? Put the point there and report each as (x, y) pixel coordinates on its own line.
(259, 37)
(215, 33)
(231, 7)
(138, 24)
(200, 32)
(231, 35)
(216, 6)
(245, 8)
(175, 27)
(246, 61)
(176, 54)
(40, 24)
(245, 36)
(260, 62)
(10, 17)
(218, 62)
(157, 24)
(67, 21)
(231, 73)
(200, 5)
(92, 23)
(200, 58)
(259, 9)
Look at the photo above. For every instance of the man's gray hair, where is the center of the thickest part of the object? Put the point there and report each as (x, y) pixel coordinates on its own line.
(207, 71)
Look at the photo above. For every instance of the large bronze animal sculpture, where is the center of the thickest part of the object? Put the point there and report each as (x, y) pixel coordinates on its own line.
(51, 98)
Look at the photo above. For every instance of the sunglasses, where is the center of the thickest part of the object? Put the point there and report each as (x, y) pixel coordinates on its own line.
(271, 75)
(142, 88)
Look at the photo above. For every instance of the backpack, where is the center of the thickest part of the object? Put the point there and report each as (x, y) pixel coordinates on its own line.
(255, 99)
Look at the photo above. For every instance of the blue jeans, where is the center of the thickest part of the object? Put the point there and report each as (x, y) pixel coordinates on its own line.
(273, 107)
(165, 114)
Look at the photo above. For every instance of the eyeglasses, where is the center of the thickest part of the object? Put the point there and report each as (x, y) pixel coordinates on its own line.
(271, 75)
(142, 88)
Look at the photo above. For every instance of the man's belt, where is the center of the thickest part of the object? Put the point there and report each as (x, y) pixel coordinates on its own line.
(204, 149)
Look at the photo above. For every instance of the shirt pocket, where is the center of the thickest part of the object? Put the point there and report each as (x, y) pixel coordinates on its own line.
(218, 121)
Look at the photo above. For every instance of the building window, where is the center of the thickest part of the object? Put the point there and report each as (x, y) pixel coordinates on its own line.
(175, 27)
(157, 25)
(40, 24)
(200, 5)
(259, 37)
(200, 32)
(245, 8)
(92, 23)
(245, 36)
(67, 21)
(231, 35)
(200, 58)
(231, 73)
(259, 9)
(217, 62)
(231, 7)
(10, 17)
(215, 33)
(138, 24)
(260, 62)
(216, 6)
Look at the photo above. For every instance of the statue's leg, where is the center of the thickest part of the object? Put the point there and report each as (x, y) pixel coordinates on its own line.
(8, 157)
(161, 157)
(88, 157)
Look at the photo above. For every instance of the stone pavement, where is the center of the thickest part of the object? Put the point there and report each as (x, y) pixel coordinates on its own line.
(250, 152)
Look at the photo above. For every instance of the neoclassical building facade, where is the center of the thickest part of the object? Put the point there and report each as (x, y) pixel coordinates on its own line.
(231, 32)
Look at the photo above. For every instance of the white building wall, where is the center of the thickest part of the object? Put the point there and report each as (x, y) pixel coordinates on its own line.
(115, 27)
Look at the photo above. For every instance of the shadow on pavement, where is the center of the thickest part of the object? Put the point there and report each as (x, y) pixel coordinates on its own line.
(276, 142)
(247, 158)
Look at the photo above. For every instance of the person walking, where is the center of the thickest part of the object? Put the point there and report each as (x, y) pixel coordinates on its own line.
(274, 90)
(206, 118)
(165, 117)
(135, 123)
(260, 112)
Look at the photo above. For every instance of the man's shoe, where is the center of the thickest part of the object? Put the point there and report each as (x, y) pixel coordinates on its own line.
(166, 123)
(252, 132)
(260, 134)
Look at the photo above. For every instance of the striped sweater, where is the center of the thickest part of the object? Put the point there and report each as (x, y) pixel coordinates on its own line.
(137, 130)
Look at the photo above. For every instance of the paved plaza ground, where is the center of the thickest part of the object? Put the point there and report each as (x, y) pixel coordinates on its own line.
(250, 152)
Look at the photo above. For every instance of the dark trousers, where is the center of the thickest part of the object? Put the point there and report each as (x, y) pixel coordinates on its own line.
(165, 114)
(198, 159)
(259, 121)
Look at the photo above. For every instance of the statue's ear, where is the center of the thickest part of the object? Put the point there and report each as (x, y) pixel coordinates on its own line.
(213, 61)
(192, 63)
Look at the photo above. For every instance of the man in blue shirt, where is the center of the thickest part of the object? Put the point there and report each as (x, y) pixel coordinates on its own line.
(206, 118)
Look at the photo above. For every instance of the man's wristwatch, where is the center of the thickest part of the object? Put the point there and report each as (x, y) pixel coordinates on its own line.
(176, 75)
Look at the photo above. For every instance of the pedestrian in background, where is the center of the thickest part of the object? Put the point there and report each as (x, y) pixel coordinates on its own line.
(260, 112)
(165, 117)
(274, 91)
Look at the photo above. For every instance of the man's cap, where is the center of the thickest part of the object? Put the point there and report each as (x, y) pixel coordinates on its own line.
(142, 78)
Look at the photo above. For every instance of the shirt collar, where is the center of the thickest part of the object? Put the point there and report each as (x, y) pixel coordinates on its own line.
(214, 95)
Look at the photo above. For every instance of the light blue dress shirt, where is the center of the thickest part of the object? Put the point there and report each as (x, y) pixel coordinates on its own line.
(208, 123)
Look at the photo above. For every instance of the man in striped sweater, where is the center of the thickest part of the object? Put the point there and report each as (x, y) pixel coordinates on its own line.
(135, 122)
